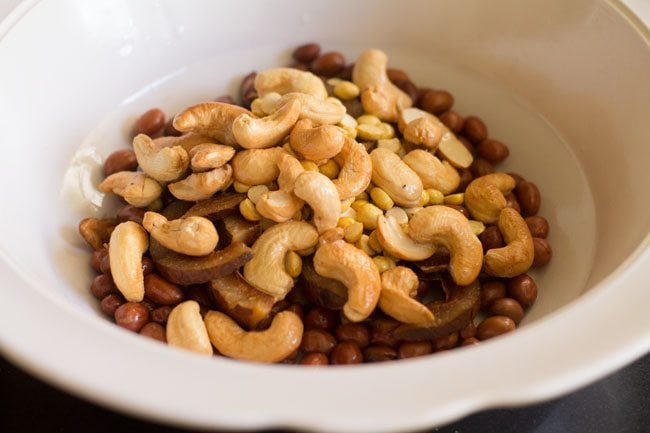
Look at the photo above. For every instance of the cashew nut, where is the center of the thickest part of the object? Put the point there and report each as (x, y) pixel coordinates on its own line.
(213, 119)
(356, 169)
(164, 164)
(397, 243)
(378, 95)
(433, 172)
(186, 330)
(398, 287)
(449, 146)
(329, 111)
(129, 241)
(485, 196)
(208, 156)
(257, 166)
(319, 192)
(192, 236)
(136, 188)
(349, 265)
(253, 133)
(282, 205)
(288, 80)
(423, 132)
(316, 143)
(392, 175)
(266, 269)
(200, 186)
(444, 226)
(518, 254)
(186, 141)
(274, 344)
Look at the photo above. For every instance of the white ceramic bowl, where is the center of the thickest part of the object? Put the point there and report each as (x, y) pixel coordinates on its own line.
(565, 84)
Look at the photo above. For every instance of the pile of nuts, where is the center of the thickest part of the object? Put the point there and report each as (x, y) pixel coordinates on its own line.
(340, 214)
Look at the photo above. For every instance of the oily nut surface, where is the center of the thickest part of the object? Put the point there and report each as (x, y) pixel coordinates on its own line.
(392, 175)
(271, 345)
(289, 80)
(256, 166)
(356, 271)
(212, 119)
(135, 187)
(282, 205)
(398, 243)
(434, 173)
(356, 169)
(129, 241)
(201, 186)
(485, 196)
(320, 193)
(193, 236)
(207, 156)
(316, 143)
(186, 330)
(261, 133)
(517, 256)
(164, 164)
(399, 285)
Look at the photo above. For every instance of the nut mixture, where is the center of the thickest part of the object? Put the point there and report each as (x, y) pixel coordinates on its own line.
(339, 215)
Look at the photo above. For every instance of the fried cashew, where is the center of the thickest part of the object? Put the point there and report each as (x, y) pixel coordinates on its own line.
(320, 193)
(396, 178)
(518, 254)
(397, 243)
(136, 188)
(328, 111)
(192, 236)
(266, 269)
(201, 186)
(212, 119)
(186, 329)
(274, 344)
(257, 166)
(316, 143)
(187, 141)
(433, 172)
(485, 196)
(449, 147)
(129, 241)
(164, 164)
(356, 169)
(289, 80)
(444, 226)
(378, 95)
(399, 286)
(207, 156)
(282, 205)
(351, 266)
(261, 133)
(423, 132)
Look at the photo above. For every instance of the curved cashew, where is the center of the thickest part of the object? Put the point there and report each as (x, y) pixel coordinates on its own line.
(518, 254)
(398, 287)
(128, 243)
(208, 156)
(392, 175)
(253, 133)
(316, 143)
(449, 146)
(288, 80)
(319, 192)
(485, 196)
(423, 132)
(257, 166)
(213, 119)
(164, 164)
(441, 225)
(358, 273)
(326, 112)
(187, 141)
(192, 236)
(136, 188)
(356, 169)
(274, 344)
(266, 269)
(186, 330)
(200, 186)
(378, 95)
(433, 172)
(397, 243)
(282, 205)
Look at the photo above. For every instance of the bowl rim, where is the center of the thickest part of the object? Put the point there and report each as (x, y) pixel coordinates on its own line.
(41, 358)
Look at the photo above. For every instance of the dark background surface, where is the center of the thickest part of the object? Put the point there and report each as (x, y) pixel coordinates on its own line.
(620, 403)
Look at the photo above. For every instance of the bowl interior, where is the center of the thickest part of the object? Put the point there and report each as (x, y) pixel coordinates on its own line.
(564, 85)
